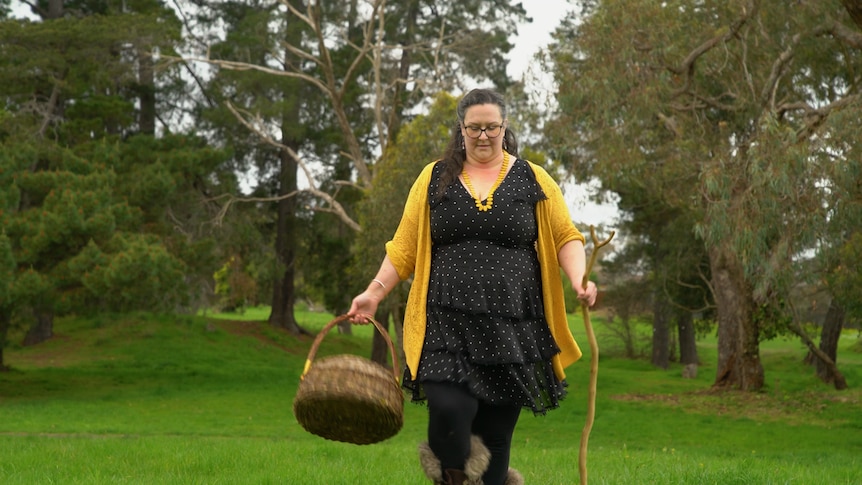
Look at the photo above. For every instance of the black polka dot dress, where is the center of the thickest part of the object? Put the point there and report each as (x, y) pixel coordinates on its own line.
(486, 328)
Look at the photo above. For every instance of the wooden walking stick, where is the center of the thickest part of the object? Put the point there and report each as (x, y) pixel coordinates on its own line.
(594, 359)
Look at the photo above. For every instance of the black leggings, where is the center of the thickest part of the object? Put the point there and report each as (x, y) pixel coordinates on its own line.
(454, 414)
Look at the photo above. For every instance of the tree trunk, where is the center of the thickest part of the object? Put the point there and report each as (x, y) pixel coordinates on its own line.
(379, 347)
(5, 323)
(628, 336)
(284, 291)
(739, 363)
(398, 323)
(146, 93)
(687, 343)
(55, 9)
(407, 45)
(42, 328)
(829, 335)
(825, 357)
(660, 333)
(854, 8)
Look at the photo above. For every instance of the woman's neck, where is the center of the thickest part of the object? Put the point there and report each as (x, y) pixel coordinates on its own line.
(492, 164)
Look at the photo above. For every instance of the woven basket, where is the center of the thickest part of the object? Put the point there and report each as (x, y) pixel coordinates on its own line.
(349, 398)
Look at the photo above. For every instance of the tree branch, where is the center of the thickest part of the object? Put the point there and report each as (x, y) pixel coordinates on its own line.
(334, 206)
(49, 109)
(687, 65)
(814, 117)
(839, 382)
(854, 8)
(844, 34)
(245, 66)
(770, 88)
(686, 68)
(330, 87)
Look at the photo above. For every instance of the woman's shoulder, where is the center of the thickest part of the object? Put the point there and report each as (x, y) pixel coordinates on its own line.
(542, 175)
(427, 170)
(537, 169)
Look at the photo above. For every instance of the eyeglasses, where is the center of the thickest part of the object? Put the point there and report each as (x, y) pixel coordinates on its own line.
(492, 131)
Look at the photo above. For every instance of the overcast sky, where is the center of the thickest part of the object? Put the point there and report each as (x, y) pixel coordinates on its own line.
(546, 15)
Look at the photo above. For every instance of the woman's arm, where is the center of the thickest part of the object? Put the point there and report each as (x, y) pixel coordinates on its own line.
(573, 260)
(366, 302)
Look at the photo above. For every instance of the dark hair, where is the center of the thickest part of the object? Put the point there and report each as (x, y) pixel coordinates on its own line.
(454, 155)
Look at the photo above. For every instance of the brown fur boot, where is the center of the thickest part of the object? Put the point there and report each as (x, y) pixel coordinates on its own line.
(454, 477)
(514, 477)
(474, 467)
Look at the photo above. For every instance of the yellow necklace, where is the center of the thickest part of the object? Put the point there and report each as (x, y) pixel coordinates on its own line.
(479, 205)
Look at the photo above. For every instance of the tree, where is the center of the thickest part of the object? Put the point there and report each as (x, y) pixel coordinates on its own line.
(73, 243)
(841, 252)
(92, 205)
(726, 125)
(352, 89)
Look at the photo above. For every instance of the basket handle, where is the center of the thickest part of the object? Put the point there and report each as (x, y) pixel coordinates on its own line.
(317, 340)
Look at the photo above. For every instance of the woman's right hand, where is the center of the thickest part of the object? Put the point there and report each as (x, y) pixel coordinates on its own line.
(364, 305)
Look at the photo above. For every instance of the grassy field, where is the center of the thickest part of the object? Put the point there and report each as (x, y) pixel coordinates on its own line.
(144, 399)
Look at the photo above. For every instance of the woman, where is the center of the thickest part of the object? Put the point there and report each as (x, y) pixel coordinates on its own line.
(484, 234)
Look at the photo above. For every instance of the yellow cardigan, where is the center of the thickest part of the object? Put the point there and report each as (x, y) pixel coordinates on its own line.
(410, 253)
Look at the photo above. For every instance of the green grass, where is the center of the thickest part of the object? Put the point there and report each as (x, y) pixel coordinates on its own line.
(145, 399)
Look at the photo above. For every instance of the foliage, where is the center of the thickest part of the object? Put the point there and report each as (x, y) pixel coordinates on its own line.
(75, 244)
(702, 151)
(86, 208)
(841, 252)
(845, 278)
(7, 270)
(118, 156)
(727, 132)
(234, 287)
(88, 66)
(173, 180)
(325, 265)
(141, 274)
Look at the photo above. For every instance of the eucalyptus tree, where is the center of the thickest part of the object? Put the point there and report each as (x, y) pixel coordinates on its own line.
(349, 72)
(719, 110)
(840, 253)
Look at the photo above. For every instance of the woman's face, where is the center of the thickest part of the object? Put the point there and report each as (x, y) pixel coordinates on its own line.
(480, 121)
